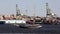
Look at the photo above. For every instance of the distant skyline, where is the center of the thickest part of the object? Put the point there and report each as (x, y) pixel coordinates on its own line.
(8, 7)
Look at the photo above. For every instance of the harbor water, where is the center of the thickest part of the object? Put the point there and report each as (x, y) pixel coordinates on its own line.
(45, 29)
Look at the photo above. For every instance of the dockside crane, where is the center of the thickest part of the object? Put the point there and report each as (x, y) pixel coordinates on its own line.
(49, 12)
(17, 10)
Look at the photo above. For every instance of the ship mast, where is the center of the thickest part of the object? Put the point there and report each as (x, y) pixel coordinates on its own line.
(26, 11)
(34, 13)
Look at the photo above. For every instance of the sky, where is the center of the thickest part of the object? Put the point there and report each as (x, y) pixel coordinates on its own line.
(8, 7)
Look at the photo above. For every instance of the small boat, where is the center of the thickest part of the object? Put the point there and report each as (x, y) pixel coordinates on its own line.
(30, 25)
